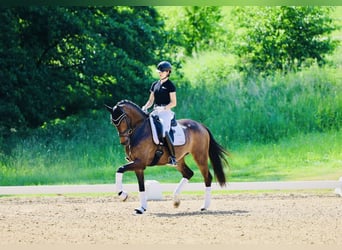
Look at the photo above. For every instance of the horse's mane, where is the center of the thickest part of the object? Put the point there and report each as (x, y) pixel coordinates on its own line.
(123, 102)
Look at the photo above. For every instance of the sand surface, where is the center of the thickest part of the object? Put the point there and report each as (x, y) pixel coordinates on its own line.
(236, 219)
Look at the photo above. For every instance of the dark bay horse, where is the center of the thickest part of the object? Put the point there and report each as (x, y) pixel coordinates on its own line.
(135, 134)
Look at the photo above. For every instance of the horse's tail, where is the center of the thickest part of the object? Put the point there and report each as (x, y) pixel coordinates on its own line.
(217, 155)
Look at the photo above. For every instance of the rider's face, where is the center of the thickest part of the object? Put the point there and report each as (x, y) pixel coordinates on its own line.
(163, 74)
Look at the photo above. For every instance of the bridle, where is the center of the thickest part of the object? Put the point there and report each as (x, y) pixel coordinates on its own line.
(117, 121)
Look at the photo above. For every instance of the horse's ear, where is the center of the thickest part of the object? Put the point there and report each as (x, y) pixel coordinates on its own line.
(110, 109)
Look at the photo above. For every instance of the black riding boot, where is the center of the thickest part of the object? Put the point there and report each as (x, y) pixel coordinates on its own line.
(169, 144)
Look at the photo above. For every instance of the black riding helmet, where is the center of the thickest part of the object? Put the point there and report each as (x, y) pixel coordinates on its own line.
(164, 66)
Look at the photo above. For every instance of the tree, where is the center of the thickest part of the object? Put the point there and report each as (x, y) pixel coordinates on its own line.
(57, 61)
(196, 28)
(200, 28)
(282, 38)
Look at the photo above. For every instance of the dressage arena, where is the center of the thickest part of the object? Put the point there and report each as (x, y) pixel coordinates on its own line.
(245, 218)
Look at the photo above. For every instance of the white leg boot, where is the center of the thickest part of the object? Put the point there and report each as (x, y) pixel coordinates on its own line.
(176, 199)
(207, 199)
(143, 203)
(119, 189)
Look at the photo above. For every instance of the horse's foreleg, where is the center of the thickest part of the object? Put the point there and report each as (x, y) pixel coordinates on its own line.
(142, 194)
(123, 195)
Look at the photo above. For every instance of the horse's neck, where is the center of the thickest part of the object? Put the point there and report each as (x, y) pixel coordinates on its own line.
(137, 117)
(138, 121)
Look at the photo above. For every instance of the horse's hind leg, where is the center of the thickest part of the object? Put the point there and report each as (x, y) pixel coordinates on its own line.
(187, 173)
(202, 162)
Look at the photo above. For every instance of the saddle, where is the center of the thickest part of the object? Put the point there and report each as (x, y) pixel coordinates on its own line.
(176, 132)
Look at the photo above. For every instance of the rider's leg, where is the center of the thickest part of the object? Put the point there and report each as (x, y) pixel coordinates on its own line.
(172, 160)
(165, 117)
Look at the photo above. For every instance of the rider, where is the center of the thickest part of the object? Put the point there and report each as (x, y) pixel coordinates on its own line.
(163, 95)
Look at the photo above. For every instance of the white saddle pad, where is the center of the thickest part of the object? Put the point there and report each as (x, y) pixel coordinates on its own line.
(178, 134)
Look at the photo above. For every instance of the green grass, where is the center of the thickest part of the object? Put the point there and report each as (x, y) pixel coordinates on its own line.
(314, 156)
(304, 157)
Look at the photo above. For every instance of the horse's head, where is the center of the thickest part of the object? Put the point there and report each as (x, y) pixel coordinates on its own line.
(126, 115)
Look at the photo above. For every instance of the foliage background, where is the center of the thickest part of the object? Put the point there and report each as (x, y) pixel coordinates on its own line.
(60, 61)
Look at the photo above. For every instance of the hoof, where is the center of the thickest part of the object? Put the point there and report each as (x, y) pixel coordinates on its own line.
(123, 195)
(176, 203)
(139, 210)
(203, 209)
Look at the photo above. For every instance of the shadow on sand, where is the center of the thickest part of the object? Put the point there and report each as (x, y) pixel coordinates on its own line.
(201, 213)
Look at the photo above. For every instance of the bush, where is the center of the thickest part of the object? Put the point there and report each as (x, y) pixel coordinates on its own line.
(73, 150)
(264, 110)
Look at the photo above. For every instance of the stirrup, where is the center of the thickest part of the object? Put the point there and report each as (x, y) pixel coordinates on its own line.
(172, 161)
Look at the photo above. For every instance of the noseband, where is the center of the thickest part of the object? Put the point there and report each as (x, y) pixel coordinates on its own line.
(120, 115)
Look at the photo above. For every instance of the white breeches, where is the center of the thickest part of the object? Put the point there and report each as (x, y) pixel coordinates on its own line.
(165, 116)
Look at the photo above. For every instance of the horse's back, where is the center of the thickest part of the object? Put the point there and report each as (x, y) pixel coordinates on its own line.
(193, 127)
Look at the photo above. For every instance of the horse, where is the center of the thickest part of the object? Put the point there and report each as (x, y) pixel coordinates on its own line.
(134, 131)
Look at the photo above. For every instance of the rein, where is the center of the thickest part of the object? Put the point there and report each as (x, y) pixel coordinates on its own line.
(117, 122)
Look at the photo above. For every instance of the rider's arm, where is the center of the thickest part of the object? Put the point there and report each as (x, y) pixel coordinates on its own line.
(149, 102)
(173, 101)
